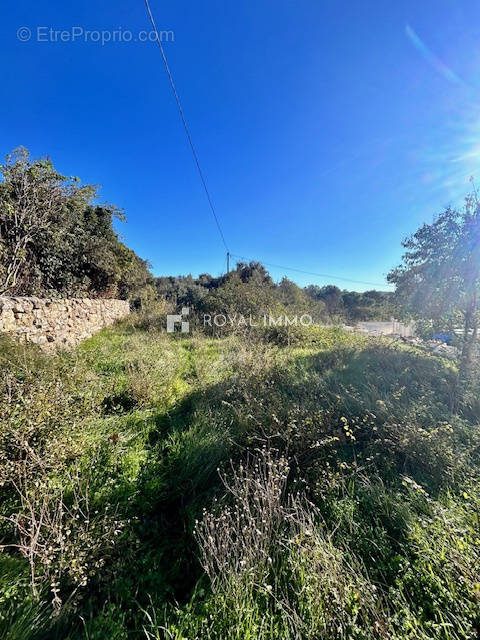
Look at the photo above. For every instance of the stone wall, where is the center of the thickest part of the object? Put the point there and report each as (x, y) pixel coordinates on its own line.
(58, 323)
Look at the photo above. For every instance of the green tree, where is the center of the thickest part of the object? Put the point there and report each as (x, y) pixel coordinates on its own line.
(254, 296)
(330, 295)
(439, 278)
(55, 240)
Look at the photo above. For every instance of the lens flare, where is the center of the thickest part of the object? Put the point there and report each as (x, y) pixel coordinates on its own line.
(450, 155)
(431, 58)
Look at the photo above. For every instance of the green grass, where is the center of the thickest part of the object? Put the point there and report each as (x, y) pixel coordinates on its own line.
(378, 445)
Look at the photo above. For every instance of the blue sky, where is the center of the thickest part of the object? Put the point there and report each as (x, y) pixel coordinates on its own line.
(327, 130)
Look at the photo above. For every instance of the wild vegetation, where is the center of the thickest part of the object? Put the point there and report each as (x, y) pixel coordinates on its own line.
(169, 486)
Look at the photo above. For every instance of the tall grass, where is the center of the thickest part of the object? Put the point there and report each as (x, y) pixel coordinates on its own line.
(318, 485)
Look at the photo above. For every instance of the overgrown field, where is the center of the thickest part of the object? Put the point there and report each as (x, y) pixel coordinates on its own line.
(158, 486)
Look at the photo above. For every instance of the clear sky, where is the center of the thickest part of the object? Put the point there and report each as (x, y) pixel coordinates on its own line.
(328, 130)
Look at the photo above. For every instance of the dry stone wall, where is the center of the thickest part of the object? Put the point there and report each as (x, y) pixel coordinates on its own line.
(58, 323)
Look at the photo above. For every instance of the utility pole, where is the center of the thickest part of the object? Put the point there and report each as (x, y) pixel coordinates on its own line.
(228, 261)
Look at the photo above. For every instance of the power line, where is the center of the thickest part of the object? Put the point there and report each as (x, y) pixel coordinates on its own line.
(318, 275)
(189, 137)
(202, 177)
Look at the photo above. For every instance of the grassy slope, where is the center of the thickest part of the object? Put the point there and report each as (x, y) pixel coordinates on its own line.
(371, 438)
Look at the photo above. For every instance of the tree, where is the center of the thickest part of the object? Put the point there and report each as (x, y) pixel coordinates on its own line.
(439, 278)
(370, 305)
(32, 197)
(183, 290)
(254, 297)
(296, 301)
(330, 295)
(56, 240)
(254, 272)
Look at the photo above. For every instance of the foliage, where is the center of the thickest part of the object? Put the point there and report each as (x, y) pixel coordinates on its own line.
(55, 240)
(439, 278)
(351, 305)
(250, 291)
(334, 482)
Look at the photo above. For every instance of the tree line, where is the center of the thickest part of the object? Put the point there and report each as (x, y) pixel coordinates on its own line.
(250, 290)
